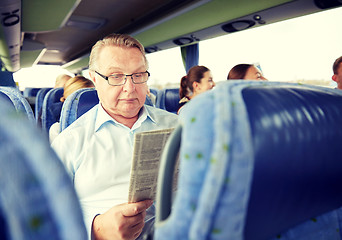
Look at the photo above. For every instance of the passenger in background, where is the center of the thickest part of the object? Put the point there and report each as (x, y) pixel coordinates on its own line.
(70, 86)
(61, 80)
(97, 148)
(245, 71)
(198, 80)
(337, 69)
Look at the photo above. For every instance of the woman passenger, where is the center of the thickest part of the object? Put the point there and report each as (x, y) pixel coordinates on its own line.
(198, 80)
(245, 71)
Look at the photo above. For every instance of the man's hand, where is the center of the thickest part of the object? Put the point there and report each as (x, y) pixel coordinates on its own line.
(124, 221)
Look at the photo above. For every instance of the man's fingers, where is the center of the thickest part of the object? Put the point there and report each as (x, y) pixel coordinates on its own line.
(137, 229)
(132, 209)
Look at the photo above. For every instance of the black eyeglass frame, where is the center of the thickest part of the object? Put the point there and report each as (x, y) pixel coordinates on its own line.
(130, 75)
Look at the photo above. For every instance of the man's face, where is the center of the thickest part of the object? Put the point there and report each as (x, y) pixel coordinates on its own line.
(338, 76)
(126, 100)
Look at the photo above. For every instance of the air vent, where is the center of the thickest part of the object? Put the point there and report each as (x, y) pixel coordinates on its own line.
(324, 4)
(238, 26)
(85, 23)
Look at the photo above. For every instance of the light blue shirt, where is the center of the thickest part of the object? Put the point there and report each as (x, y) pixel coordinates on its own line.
(97, 153)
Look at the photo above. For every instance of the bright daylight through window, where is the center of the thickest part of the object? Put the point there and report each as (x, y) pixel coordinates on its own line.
(297, 50)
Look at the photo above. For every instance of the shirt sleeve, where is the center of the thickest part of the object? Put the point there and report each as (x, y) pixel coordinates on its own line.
(63, 147)
(54, 131)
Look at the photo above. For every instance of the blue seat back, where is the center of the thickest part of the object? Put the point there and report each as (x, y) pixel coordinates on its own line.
(6, 98)
(37, 199)
(154, 91)
(257, 161)
(53, 96)
(77, 104)
(168, 99)
(31, 92)
(39, 103)
(6, 79)
(19, 102)
(148, 101)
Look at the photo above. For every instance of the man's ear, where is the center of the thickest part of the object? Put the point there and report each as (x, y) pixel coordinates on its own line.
(334, 77)
(92, 76)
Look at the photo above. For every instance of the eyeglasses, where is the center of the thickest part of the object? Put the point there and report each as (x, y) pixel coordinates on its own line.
(120, 79)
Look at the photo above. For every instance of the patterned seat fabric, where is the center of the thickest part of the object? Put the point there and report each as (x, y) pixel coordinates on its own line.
(20, 103)
(37, 198)
(76, 104)
(258, 160)
(6, 98)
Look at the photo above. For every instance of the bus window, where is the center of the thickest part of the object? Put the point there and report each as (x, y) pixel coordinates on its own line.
(302, 50)
(166, 68)
(297, 50)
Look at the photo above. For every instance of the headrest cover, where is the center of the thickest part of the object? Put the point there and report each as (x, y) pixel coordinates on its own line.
(245, 144)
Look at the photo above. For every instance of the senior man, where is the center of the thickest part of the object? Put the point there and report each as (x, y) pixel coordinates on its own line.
(97, 148)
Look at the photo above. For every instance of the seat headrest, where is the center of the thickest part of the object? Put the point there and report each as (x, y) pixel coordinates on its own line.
(76, 105)
(31, 92)
(87, 100)
(19, 102)
(168, 99)
(54, 95)
(256, 159)
(297, 138)
(36, 192)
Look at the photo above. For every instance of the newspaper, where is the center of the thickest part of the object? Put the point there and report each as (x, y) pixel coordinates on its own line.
(147, 151)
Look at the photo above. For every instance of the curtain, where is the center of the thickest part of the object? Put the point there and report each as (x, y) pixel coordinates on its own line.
(190, 55)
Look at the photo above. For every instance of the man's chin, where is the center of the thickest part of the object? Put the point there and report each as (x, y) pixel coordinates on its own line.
(130, 112)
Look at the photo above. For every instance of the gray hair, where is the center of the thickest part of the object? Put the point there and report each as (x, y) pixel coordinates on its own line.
(120, 40)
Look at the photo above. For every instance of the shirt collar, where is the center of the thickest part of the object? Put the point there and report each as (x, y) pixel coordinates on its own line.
(103, 117)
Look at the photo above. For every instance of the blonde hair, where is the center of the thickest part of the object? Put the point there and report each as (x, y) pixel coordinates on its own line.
(61, 80)
(74, 84)
(120, 40)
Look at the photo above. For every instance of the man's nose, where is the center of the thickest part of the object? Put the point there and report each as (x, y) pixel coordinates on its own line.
(129, 86)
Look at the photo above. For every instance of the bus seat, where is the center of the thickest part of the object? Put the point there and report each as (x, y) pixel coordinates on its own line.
(37, 199)
(30, 95)
(77, 104)
(5, 98)
(19, 102)
(151, 99)
(53, 96)
(168, 99)
(148, 101)
(80, 102)
(258, 160)
(31, 92)
(6, 79)
(154, 91)
(39, 103)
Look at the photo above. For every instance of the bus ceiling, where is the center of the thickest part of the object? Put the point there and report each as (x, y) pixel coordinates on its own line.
(62, 32)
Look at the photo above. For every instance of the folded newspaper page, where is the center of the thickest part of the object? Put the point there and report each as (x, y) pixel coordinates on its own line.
(147, 151)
